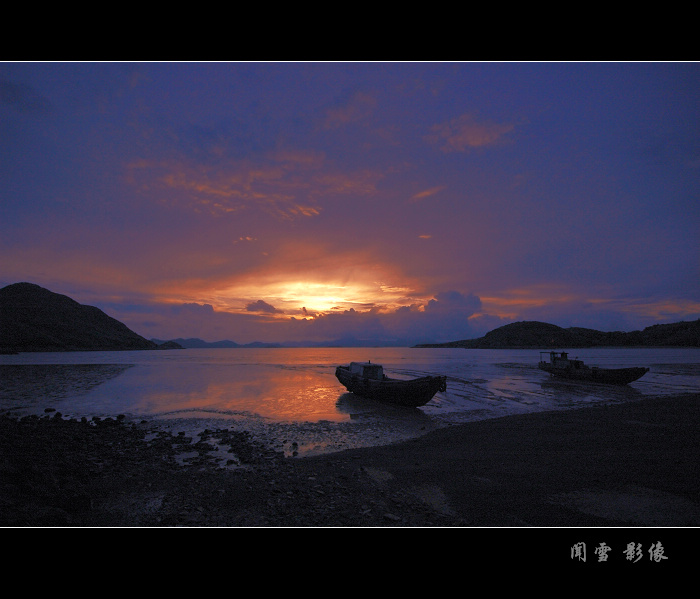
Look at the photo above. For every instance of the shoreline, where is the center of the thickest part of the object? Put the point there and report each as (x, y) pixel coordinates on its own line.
(624, 465)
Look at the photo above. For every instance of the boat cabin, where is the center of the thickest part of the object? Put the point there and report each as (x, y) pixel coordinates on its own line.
(561, 360)
(367, 370)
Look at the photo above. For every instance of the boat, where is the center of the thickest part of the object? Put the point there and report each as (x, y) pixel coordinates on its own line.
(368, 380)
(561, 365)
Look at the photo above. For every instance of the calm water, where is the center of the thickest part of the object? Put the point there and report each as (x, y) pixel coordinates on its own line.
(291, 398)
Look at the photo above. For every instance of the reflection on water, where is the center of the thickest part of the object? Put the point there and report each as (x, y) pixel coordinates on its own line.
(168, 389)
(291, 397)
(30, 387)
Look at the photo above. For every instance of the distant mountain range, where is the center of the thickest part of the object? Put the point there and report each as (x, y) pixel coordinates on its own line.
(541, 335)
(198, 343)
(35, 319)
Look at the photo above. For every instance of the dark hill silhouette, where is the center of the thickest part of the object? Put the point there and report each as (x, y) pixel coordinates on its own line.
(35, 319)
(542, 335)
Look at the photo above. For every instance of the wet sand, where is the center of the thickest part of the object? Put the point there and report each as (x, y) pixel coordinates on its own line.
(629, 465)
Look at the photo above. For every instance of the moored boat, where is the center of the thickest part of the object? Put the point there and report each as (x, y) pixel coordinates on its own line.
(368, 380)
(562, 366)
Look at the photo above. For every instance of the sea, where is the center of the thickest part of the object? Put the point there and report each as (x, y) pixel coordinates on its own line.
(289, 399)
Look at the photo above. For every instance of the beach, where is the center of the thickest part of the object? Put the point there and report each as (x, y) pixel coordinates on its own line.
(627, 465)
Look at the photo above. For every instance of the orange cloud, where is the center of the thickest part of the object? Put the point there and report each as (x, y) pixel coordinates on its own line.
(466, 132)
(287, 185)
(531, 296)
(359, 107)
(659, 310)
(427, 193)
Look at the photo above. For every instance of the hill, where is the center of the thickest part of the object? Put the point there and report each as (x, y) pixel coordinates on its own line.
(196, 343)
(542, 335)
(35, 319)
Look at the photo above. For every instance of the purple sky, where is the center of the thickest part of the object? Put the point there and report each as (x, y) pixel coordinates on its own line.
(388, 202)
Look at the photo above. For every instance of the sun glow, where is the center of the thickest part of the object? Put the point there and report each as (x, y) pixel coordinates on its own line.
(310, 298)
(319, 297)
(304, 280)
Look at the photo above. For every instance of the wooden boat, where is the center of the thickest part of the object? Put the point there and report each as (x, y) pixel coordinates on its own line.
(561, 365)
(368, 380)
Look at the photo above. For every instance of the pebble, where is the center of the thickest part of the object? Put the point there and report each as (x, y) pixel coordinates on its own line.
(392, 517)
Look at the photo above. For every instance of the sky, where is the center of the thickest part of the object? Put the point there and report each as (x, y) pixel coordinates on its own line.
(354, 202)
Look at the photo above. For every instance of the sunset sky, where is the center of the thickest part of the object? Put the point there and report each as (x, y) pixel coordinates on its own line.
(392, 203)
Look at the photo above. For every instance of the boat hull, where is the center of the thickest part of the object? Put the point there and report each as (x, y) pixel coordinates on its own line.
(411, 393)
(609, 376)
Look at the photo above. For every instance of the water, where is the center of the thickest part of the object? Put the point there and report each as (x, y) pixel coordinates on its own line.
(291, 400)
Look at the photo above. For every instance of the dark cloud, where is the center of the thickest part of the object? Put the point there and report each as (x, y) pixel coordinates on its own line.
(23, 98)
(454, 302)
(263, 307)
(445, 318)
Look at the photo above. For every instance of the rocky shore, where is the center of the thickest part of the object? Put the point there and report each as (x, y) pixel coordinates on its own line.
(629, 465)
(109, 473)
